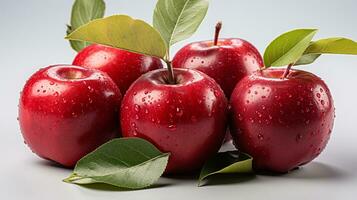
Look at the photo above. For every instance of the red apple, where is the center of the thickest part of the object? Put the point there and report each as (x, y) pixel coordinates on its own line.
(282, 122)
(122, 66)
(187, 118)
(67, 111)
(227, 61)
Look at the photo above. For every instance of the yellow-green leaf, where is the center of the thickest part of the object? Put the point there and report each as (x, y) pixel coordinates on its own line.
(123, 162)
(307, 59)
(177, 20)
(336, 45)
(230, 162)
(288, 47)
(84, 11)
(124, 32)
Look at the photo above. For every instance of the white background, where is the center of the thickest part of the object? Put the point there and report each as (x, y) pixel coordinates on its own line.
(31, 36)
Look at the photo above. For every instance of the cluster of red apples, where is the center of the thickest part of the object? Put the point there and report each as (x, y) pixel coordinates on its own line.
(282, 118)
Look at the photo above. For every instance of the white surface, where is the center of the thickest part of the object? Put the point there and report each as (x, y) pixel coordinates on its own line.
(31, 36)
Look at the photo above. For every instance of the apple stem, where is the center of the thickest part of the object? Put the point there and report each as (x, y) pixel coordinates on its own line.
(171, 78)
(216, 33)
(287, 71)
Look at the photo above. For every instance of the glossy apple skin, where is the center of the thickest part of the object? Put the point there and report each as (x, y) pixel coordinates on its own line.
(282, 123)
(122, 66)
(187, 119)
(227, 63)
(62, 118)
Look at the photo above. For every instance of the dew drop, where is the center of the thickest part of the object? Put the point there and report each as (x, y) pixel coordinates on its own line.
(136, 107)
(318, 95)
(172, 127)
(322, 102)
(136, 116)
(260, 137)
(298, 137)
(179, 112)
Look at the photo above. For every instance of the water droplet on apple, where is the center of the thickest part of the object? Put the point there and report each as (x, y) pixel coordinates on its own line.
(137, 117)
(135, 133)
(136, 107)
(52, 83)
(133, 124)
(179, 112)
(172, 127)
(318, 95)
(321, 90)
(74, 114)
(298, 137)
(263, 97)
(307, 122)
(260, 137)
(322, 102)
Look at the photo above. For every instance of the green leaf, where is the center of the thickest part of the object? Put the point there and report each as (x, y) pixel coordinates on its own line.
(177, 20)
(84, 11)
(288, 47)
(336, 45)
(124, 162)
(227, 163)
(124, 32)
(307, 59)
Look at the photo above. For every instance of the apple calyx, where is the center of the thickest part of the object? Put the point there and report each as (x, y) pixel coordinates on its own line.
(216, 33)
